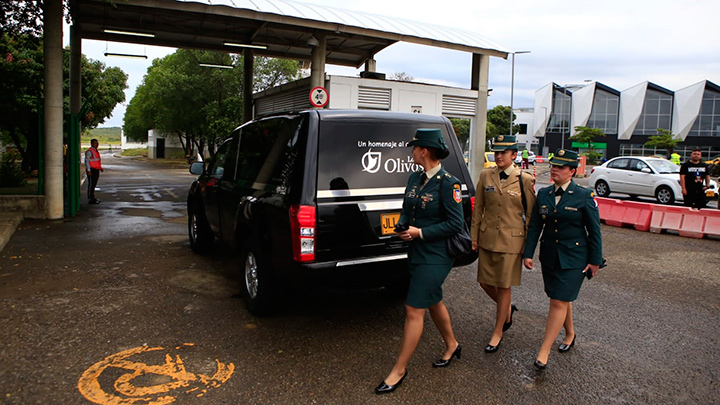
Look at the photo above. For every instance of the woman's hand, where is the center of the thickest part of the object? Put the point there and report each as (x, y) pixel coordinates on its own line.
(528, 262)
(475, 246)
(592, 268)
(410, 234)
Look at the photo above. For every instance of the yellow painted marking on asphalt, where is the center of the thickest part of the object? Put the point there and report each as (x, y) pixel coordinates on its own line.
(171, 193)
(127, 392)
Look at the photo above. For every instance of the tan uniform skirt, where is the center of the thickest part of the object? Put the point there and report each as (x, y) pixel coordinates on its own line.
(499, 269)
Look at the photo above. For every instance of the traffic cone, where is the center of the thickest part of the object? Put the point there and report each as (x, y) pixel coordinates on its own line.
(535, 171)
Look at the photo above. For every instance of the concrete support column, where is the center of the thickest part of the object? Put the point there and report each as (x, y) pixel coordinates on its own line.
(479, 82)
(73, 150)
(53, 108)
(248, 64)
(371, 65)
(317, 70)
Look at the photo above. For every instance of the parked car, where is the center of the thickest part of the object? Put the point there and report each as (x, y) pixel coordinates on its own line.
(489, 160)
(314, 195)
(531, 158)
(641, 176)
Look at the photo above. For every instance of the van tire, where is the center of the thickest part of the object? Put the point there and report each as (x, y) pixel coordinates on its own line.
(260, 292)
(199, 232)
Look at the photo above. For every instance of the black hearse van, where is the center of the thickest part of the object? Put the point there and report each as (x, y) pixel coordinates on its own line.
(314, 194)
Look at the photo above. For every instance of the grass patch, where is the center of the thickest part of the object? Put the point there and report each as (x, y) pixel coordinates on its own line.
(105, 136)
(135, 152)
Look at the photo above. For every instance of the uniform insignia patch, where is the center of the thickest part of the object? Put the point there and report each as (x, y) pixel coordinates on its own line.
(500, 138)
(561, 152)
(571, 209)
(457, 193)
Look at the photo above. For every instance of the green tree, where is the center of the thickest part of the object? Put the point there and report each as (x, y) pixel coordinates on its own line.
(499, 117)
(586, 135)
(664, 139)
(199, 105)
(461, 126)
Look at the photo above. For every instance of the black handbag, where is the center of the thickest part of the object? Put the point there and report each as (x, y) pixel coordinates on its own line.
(460, 244)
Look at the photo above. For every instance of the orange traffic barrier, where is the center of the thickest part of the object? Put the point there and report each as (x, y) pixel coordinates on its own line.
(712, 222)
(667, 218)
(693, 224)
(625, 213)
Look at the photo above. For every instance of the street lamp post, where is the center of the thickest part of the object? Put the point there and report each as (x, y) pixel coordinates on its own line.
(512, 88)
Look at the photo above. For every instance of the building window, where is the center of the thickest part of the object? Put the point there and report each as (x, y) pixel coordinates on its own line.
(523, 129)
(657, 112)
(708, 121)
(560, 117)
(604, 114)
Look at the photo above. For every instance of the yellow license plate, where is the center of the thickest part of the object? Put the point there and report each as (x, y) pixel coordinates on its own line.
(709, 193)
(388, 222)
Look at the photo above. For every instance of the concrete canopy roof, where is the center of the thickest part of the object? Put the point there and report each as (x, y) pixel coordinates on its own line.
(284, 27)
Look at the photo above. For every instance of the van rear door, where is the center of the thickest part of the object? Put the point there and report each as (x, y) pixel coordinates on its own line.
(363, 167)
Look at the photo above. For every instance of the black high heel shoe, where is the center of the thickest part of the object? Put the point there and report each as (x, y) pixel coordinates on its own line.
(539, 365)
(507, 325)
(386, 389)
(563, 348)
(444, 363)
(491, 348)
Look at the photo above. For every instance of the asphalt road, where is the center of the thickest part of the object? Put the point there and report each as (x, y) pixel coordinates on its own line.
(113, 306)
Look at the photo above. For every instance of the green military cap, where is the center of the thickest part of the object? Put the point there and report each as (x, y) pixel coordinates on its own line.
(504, 142)
(564, 157)
(429, 138)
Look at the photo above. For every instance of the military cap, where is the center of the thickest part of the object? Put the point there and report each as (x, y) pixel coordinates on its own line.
(503, 143)
(429, 138)
(564, 157)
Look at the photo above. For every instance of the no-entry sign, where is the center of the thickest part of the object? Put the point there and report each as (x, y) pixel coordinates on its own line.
(319, 97)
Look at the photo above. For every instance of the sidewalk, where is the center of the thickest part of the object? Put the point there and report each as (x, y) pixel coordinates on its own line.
(9, 221)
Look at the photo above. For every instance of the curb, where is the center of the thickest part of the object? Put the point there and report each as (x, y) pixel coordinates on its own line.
(8, 223)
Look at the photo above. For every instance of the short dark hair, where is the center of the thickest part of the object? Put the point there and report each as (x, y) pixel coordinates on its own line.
(93, 140)
(697, 150)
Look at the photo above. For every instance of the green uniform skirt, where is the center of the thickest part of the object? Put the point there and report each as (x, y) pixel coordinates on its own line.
(563, 284)
(426, 282)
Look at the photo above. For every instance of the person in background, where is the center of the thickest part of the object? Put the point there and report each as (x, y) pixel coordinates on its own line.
(525, 159)
(694, 180)
(93, 167)
(431, 213)
(567, 216)
(550, 156)
(675, 158)
(504, 198)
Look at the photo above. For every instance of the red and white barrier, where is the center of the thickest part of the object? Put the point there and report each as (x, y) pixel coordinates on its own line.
(625, 213)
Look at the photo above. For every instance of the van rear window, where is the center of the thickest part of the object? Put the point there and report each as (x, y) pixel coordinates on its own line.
(370, 154)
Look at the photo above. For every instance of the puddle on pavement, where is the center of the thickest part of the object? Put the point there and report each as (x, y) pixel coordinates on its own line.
(141, 212)
(167, 238)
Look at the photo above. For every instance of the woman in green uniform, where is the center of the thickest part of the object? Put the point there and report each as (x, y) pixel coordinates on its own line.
(431, 213)
(570, 248)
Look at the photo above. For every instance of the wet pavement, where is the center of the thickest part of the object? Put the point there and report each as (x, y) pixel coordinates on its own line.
(113, 307)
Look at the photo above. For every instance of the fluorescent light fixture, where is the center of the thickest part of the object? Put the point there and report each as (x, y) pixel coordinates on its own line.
(137, 34)
(214, 65)
(126, 55)
(244, 45)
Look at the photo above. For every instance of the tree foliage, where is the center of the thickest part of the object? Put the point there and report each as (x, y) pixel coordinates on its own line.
(498, 122)
(586, 135)
(199, 105)
(664, 139)
(21, 93)
(24, 17)
(401, 77)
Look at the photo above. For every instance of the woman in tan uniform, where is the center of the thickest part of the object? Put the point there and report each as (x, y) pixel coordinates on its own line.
(499, 228)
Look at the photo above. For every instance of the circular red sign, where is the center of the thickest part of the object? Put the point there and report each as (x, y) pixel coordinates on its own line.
(319, 97)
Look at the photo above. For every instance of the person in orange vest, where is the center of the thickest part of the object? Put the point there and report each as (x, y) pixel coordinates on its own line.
(93, 167)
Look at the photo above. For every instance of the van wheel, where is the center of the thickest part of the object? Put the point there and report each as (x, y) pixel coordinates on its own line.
(199, 232)
(664, 195)
(602, 189)
(259, 290)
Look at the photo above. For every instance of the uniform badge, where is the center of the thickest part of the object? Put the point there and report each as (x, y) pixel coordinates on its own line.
(457, 194)
(544, 216)
(489, 189)
(561, 152)
(543, 210)
(500, 138)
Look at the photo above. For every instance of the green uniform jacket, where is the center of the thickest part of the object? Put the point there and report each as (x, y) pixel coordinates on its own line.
(438, 217)
(570, 231)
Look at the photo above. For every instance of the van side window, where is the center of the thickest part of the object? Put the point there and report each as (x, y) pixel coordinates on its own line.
(217, 165)
(267, 152)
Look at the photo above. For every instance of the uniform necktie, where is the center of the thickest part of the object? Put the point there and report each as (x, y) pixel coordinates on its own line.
(559, 191)
(503, 175)
(423, 178)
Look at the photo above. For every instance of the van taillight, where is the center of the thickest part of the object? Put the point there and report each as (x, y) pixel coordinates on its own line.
(302, 227)
(472, 203)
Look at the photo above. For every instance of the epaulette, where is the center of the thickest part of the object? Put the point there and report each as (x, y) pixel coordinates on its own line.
(448, 175)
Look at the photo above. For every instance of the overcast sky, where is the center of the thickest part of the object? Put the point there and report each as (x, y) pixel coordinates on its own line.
(620, 43)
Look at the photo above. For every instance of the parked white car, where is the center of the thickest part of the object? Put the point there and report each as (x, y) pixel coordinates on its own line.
(531, 158)
(641, 176)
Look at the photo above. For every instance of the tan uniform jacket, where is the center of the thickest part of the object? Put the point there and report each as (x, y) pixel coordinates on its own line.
(497, 223)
